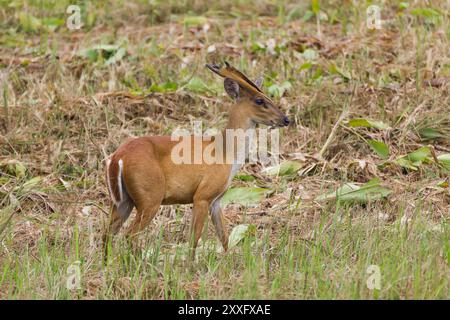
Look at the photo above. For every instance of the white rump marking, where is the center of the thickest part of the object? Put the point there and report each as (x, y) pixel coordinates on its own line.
(113, 197)
(119, 179)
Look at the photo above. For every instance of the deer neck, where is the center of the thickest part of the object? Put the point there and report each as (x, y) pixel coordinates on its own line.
(238, 119)
(236, 130)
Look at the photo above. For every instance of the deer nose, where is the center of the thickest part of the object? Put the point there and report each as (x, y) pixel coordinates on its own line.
(286, 121)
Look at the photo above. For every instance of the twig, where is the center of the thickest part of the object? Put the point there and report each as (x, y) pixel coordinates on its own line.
(343, 115)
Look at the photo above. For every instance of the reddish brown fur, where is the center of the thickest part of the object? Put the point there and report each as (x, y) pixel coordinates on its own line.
(150, 178)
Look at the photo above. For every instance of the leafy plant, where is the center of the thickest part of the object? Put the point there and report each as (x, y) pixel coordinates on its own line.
(415, 159)
(240, 232)
(111, 54)
(244, 195)
(334, 69)
(165, 87)
(28, 22)
(367, 123)
(444, 159)
(351, 192)
(244, 177)
(379, 147)
(309, 54)
(196, 84)
(194, 21)
(430, 133)
(13, 167)
(279, 90)
(283, 169)
(428, 13)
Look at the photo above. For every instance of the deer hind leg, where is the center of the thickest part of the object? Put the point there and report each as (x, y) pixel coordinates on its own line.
(219, 224)
(143, 219)
(148, 196)
(119, 214)
(145, 213)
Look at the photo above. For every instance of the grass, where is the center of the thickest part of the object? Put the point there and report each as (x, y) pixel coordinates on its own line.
(70, 97)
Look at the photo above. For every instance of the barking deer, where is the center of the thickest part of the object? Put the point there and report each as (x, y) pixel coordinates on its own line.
(143, 174)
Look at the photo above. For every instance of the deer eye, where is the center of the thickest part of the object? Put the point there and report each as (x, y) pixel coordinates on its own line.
(259, 101)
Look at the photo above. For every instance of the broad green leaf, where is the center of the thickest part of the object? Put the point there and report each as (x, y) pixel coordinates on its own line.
(195, 21)
(362, 122)
(420, 155)
(308, 15)
(279, 90)
(317, 74)
(244, 195)
(197, 85)
(310, 54)
(101, 47)
(379, 147)
(430, 133)
(403, 5)
(351, 192)
(405, 163)
(258, 46)
(283, 169)
(306, 66)
(52, 23)
(111, 53)
(444, 159)
(31, 184)
(429, 14)
(204, 248)
(165, 87)
(244, 177)
(334, 69)
(91, 54)
(120, 53)
(238, 233)
(425, 12)
(414, 159)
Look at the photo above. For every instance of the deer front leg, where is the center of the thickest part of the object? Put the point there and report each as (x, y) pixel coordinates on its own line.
(219, 224)
(199, 213)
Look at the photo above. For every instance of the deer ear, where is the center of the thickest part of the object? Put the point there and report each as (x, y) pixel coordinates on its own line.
(231, 87)
(258, 82)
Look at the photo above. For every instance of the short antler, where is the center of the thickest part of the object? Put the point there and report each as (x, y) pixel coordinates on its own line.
(232, 73)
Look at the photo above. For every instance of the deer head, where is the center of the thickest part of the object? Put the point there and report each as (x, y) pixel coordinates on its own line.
(254, 104)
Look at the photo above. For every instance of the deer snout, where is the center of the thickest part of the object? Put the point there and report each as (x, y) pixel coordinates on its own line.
(283, 121)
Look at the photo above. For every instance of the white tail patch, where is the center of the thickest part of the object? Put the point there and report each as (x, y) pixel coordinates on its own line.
(108, 163)
(119, 180)
(124, 204)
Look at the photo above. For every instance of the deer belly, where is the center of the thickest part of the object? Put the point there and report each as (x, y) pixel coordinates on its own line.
(178, 192)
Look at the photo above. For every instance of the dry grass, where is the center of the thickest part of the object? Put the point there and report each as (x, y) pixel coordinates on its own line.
(61, 114)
